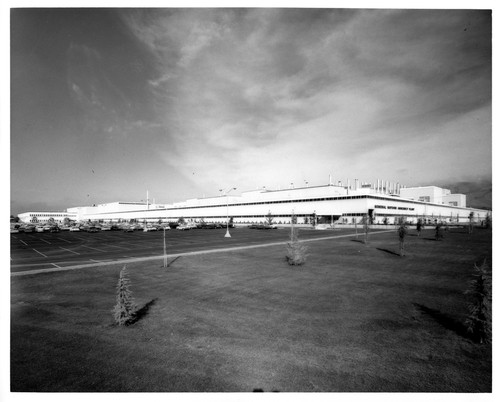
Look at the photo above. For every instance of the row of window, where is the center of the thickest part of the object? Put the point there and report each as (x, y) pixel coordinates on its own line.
(273, 202)
(219, 217)
(49, 215)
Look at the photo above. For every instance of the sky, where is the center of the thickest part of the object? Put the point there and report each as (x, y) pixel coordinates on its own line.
(107, 104)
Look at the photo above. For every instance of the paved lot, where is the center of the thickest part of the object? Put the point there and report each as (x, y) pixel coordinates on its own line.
(34, 251)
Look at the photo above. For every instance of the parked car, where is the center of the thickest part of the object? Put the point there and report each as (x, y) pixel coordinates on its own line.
(39, 229)
(55, 229)
(14, 230)
(29, 228)
(263, 226)
(93, 229)
(183, 227)
(74, 229)
(128, 229)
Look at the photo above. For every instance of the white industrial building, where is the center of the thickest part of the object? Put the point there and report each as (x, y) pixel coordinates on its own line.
(45, 217)
(332, 203)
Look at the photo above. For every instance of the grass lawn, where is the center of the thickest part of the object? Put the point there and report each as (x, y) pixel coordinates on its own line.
(354, 318)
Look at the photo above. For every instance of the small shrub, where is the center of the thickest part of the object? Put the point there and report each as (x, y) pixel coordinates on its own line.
(125, 306)
(478, 321)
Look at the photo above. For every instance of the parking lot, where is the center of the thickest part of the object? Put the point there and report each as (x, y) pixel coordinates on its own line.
(34, 251)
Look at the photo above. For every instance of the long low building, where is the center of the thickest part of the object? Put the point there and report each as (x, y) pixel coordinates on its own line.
(47, 217)
(332, 203)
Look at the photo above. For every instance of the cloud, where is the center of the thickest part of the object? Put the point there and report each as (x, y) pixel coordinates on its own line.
(259, 90)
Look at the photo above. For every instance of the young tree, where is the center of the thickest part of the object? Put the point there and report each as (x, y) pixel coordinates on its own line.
(487, 220)
(478, 321)
(125, 306)
(366, 227)
(471, 219)
(296, 251)
(420, 226)
(181, 221)
(439, 233)
(402, 231)
(269, 218)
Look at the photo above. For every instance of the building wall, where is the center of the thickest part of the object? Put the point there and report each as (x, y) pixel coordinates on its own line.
(244, 209)
(433, 194)
(458, 200)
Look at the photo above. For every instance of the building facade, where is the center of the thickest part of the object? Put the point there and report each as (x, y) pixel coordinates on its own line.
(382, 202)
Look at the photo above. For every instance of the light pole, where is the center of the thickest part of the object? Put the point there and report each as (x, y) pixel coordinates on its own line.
(227, 210)
(165, 263)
